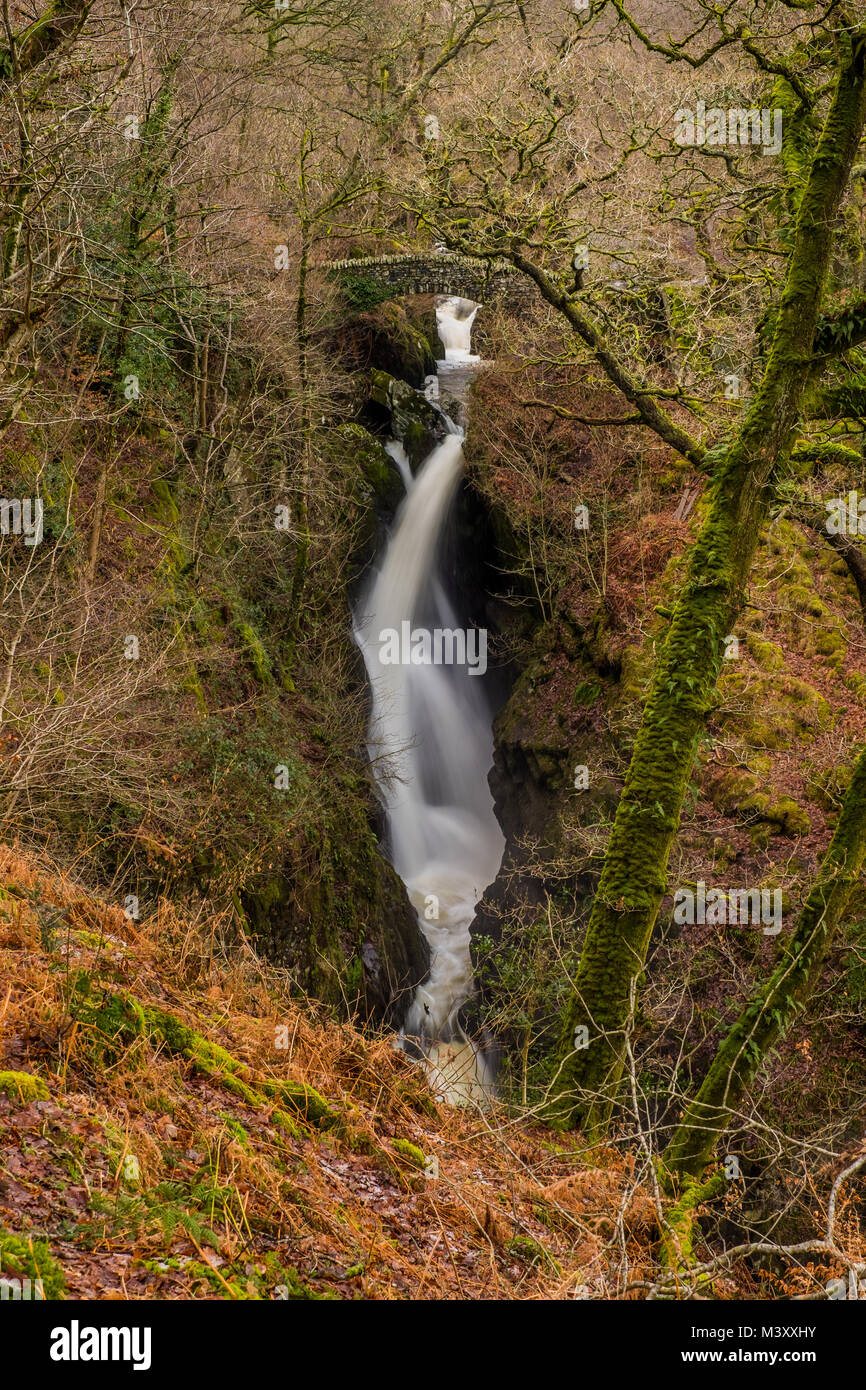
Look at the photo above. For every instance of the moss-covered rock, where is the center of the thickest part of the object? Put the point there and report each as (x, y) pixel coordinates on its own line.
(387, 339)
(856, 683)
(783, 812)
(22, 1086)
(730, 787)
(414, 421)
(335, 912)
(771, 711)
(742, 793)
(793, 818)
(768, 655)
(378, 481)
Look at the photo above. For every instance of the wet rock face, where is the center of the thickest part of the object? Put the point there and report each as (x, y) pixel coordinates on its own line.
(522, 807)
(395, 958)
(336, 915)
(389, 339)
(413, 420)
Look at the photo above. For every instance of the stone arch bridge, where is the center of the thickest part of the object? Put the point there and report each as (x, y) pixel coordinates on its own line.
(434, 273)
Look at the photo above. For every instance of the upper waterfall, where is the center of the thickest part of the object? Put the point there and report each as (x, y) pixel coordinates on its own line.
(454, 320)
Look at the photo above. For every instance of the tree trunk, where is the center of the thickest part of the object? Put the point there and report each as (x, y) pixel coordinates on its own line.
(813, 518)
(634, 878)
(302, 550)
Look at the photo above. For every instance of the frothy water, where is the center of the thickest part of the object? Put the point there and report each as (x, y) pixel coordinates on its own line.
(454, 320)
(431, 747)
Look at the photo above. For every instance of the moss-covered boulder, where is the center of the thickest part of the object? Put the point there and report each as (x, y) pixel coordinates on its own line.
(768, 655)
(413, 419)
(336, 914)
(387, 339)
(742, 793)
(771, 711)
(377, 480)
(22, 1086)
(781, 813)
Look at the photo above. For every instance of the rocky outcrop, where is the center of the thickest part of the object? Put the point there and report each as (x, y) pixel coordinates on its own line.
(390, 339)
(336, 915)
(417, 424)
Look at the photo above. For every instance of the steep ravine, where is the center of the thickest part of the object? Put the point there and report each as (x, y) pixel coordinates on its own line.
(430, 739)
(525, 777)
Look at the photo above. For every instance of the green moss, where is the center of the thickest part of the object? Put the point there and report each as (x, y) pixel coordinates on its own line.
(743, 792)
(831, 646)
(635, 675)
(771, 883)
(237, 1131)
(532, 1252)
(729, 788)
(587, 693)
(413, 419)
(856, 683)
(804, 601)
(760, 836)
(167, 509)
(378, 480)
(788, 816)
(411, 1151)
(258, 657)
(22, 1086)
(771, 712)
(118, 1017)
(93, 941)
(768, 655)
(678, 1227)
(827, 786)
(22, 1257)
(810, 626)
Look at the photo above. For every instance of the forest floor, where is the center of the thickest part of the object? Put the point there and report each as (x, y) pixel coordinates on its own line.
(174, 1125)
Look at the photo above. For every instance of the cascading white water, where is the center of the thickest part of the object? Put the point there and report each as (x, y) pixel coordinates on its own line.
(454, 320)
(431, 747)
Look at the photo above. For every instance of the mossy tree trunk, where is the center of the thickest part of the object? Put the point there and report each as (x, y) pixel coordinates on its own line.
(59, 23)
(634, 877)
(146, 196)
(769, 1014)
(302, 349)
(316, 218)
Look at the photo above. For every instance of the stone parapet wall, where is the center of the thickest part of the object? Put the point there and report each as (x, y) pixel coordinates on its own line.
(444, 273)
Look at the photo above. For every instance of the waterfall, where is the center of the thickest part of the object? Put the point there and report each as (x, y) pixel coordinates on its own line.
(430, 739)
(454, 320)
